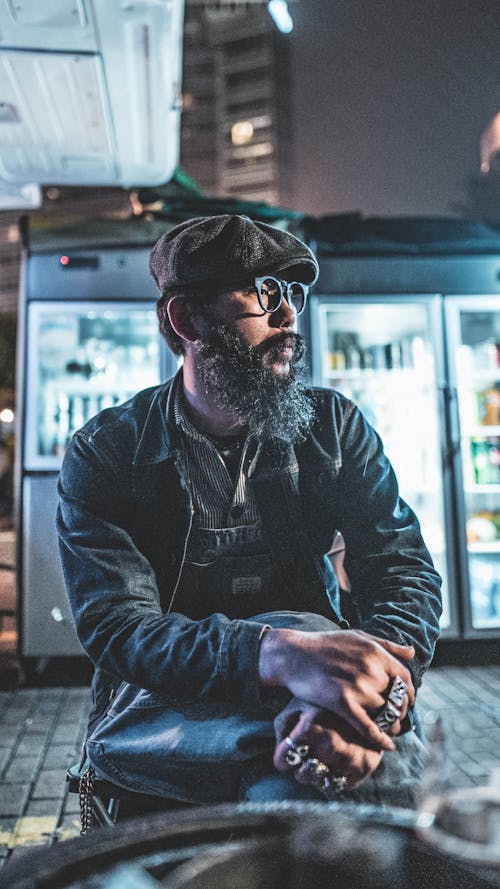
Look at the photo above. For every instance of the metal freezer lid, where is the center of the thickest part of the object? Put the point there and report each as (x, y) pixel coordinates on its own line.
(412, 274)
(89, 91)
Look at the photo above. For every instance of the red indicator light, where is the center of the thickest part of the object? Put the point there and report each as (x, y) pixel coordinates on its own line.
(64, 260)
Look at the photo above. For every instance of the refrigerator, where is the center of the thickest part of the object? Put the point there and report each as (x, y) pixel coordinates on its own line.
(415, 342)
(473, 325)
(89, 340)
(385, 353)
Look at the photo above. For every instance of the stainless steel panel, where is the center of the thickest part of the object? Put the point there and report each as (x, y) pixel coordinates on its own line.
(415, 274)
(47, 625)
(96, 274)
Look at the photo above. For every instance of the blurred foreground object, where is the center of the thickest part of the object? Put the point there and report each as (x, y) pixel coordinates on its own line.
(90, 94)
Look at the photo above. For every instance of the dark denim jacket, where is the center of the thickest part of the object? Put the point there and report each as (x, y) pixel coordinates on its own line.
(124, 518)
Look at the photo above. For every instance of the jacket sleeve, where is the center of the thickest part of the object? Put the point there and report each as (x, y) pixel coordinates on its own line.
(115, 601)
(395, 586)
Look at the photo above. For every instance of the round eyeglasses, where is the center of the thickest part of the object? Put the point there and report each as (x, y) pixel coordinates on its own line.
(271, 292)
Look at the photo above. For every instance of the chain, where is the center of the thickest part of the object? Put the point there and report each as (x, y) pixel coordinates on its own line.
(85, 794)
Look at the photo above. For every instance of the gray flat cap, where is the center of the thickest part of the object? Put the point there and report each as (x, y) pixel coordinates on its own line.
(213, 252)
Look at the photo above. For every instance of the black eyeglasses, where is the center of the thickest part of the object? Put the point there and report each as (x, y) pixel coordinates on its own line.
(271, 292)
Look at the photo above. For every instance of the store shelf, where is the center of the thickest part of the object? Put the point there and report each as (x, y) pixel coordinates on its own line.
(467, 378)
(482, 489)
(375, 371)
(493, 546)
(482, 432)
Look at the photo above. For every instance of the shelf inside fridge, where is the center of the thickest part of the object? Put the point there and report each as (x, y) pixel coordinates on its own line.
(481, 432)
(493, 547)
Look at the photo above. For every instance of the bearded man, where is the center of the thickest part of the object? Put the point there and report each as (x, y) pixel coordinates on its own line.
(195, 524)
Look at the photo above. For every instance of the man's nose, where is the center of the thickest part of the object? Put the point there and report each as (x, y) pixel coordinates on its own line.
(285, 316)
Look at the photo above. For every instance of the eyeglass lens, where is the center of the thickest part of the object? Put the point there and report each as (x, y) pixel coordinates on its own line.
(272, 291)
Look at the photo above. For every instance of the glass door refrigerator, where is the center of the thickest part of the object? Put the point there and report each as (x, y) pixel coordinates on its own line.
(473, 337)
(386, 354)
(90, 341)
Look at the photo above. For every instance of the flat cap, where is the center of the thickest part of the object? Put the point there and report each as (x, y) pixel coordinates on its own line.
(213, 252)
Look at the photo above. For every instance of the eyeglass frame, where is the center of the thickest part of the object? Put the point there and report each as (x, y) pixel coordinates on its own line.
(283, 286)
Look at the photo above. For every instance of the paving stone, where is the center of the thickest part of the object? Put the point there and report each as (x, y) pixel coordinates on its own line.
(13, 798)
(59, 756)
(67, 733)
(7, 827)
(40, 724)
(33, 745)
(69, 826)
(487, 760)
(10, 734)
(34, 827)
(15, 714)
(71, 804)
(51, 784)
(21, 769)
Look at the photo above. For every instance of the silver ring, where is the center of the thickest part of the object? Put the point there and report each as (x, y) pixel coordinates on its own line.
(391, 712)
(387, 717)
(313, 771)
(296, 754)
(397, 692)
(317, 774)
(336, 783)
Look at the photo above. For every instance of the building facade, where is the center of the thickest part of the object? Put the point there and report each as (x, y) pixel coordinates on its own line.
(235, 105)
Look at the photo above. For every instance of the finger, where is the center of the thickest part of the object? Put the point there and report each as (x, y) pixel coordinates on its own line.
(406, 652)
(357, 776)
(358, 718)
(281, 750)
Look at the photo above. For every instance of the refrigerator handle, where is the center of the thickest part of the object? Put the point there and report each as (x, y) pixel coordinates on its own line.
(450, 413)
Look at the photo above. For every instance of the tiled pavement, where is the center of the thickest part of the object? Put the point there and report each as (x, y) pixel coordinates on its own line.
(41, 731)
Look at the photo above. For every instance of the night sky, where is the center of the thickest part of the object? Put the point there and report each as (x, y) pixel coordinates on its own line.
(389, 100)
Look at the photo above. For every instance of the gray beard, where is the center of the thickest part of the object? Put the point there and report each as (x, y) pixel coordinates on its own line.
(235, 378)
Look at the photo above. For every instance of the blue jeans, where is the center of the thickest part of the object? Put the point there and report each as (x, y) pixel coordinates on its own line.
(210, 752)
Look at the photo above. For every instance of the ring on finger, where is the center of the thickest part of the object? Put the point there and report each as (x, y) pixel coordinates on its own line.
(387, 717)
(296, 753)
(397, 692)
(317, 774)
(313, 771)
(335, 783)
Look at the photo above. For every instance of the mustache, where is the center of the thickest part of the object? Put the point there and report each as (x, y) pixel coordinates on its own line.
(281, 341)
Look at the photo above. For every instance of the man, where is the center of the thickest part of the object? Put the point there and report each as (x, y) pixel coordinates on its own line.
(195, 522)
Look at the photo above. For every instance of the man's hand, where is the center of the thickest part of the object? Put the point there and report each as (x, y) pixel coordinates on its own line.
(330, 739)
(348, 673)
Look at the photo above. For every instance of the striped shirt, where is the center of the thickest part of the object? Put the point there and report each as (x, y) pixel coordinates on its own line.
(221, 499)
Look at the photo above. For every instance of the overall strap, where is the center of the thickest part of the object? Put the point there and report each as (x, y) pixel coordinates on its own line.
(283, 520)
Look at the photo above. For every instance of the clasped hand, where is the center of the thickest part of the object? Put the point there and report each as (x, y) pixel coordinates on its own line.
(330, 739)
(346, 672)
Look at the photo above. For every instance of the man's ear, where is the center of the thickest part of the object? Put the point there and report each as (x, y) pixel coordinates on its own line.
(183, 319)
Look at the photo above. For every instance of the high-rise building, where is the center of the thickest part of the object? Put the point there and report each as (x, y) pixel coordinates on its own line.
(235, 87)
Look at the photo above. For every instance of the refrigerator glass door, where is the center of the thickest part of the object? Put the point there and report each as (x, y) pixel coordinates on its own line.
(81, 358)
(474, 356)
(385, 355)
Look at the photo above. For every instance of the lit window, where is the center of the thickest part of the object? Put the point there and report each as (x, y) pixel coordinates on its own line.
(241, 132)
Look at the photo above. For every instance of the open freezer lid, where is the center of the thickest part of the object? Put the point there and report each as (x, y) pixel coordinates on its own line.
(89, 91)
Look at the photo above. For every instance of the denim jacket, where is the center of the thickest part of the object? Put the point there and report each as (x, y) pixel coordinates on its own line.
(124, 518)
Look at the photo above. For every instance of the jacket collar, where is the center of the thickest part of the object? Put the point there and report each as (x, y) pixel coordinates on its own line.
(158, 439)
